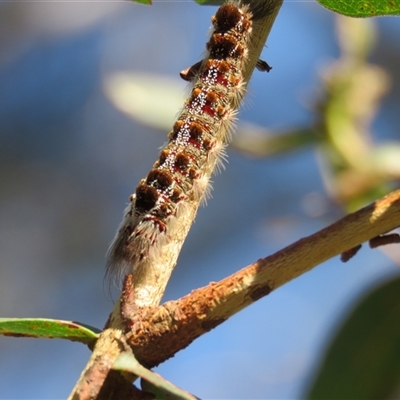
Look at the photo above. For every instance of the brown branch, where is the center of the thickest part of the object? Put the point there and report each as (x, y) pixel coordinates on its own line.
(156, 333)
(159, 332)
(98, 380)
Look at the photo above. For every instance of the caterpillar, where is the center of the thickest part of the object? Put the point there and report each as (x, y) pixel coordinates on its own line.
(195, 147)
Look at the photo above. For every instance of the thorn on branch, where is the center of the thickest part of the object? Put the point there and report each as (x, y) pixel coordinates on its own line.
(346, 255)
(382, 240)
(375, 242)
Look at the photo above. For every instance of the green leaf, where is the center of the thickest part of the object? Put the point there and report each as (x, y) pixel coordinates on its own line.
(151, 382)
(48, 328)
(259, 142)
(147, 2)
(363, 362)
(143, 95)
(363, 8)
(210, 2)
(386, 159)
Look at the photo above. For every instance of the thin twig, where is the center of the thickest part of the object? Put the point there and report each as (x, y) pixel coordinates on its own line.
(350, 253)
(383, 240)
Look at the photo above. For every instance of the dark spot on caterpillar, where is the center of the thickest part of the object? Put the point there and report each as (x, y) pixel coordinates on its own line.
(162, 211)
(163, 156)
(182, 161)
(238, 51)
(160, 179)
(227, 17)
(196, 130)
(233, 81)
(223, 67)
(195, 93)
(221, 111)
(222, 46)
(208, 144)
(176, 129)
(211, 97)
(146, 197)
(176, 195)
(245, 26)
(178, 125)
(193, 174)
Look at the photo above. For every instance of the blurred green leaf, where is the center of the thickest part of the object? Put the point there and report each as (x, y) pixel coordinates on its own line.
(48, 328)
(209, 2)
(151, 382)
(363, 362)
(152, 99)
(147, 2)
(363, 8)
(386, 159)
(259, 142)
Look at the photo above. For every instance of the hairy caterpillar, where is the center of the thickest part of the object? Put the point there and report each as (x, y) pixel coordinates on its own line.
(180, 176)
